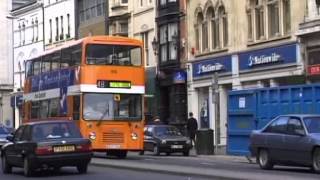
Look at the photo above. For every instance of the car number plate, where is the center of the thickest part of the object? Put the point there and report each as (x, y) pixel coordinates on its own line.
(63, 148)
(113, 146)
(176, 146)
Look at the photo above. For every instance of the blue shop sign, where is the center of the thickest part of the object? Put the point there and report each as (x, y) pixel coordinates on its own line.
(209, 66)
(179, 77)
(268, 57)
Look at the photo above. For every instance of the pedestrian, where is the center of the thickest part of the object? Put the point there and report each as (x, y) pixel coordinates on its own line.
(156, 120)
(192, 127)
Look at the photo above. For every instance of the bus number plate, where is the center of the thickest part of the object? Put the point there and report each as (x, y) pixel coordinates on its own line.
(113, 146)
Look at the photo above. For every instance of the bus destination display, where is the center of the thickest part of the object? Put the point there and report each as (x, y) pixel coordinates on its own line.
(113, 84)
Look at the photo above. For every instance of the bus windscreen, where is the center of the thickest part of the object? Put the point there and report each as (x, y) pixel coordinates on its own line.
(101, 106)
(104, 54)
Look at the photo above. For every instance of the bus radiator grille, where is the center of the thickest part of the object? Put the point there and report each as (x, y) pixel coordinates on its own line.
(113, 137)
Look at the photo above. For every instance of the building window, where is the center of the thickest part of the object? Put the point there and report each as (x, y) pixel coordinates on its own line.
(198, 29)
(163, 43)
(124, 28)
(89, 9)
(172, 38)
(24, 33)
(33, 26)
(250, 31)
(273, 18)
(224, 26)
(168, 42)
(37, 30)
(61, 35)
(50, 25)
(259, 16)
(268, 19)
(20, 34)
(68, 19)
(145, 40)
(57, 29)
(212, 31)
(286, 17)
(165, 2)
(204, 35)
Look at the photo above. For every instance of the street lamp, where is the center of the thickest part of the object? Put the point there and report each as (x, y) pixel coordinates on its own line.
(155, 46)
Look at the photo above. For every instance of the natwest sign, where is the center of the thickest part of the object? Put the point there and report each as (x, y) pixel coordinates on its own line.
(264, 59)
(210, 66)
(314, 69)
(271, 57)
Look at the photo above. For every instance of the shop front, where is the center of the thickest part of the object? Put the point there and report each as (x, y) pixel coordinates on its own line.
(208, 83)
(271, 67)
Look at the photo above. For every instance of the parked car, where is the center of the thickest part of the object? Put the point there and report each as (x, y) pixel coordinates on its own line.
(165, 138)
(46, 145)
(288, 140)
(4, 132)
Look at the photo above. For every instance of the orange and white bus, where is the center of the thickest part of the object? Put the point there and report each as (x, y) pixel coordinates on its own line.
(99, 83)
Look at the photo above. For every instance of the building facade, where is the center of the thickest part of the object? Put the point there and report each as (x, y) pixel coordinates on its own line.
(308, 32)
(6, 70)
(171, 74)
(27, 43)
(234, 45)
(59, 22)
(120, 17)
(143, 28)
(92, 17)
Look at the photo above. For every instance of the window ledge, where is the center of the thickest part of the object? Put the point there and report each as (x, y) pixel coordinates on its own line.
(215, 51)
(252, 43)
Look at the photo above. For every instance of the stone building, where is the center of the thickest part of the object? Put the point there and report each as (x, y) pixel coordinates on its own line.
(239, 44)
(143, 28)
(59, 22)
(28, 42)
(6, 70)
(92, 17)
(309, 31)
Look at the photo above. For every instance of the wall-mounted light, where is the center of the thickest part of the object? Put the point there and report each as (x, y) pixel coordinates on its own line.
(155, 46)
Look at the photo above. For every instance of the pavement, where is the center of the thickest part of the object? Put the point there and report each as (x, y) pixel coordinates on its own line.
(208, 172)
(226, 166)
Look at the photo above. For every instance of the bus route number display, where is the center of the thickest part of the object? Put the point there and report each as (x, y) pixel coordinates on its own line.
(113, 84)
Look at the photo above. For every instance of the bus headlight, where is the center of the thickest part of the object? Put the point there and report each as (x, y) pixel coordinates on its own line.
(92, 136)
(163, 141)
(134, 136)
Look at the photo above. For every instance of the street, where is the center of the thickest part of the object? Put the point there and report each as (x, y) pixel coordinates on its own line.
(98, 173)
(174, 167)
(214, 166)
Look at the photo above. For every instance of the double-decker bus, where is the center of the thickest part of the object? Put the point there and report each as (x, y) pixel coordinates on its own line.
(99, 83)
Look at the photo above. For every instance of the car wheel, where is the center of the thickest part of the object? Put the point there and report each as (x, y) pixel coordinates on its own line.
(186, 153)
(316, 160)
(264, 159)
(141, 153)
(156, 150)
(82, 168)
(168, 153)
(6, 168)
(27, 167)
(56, 169)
